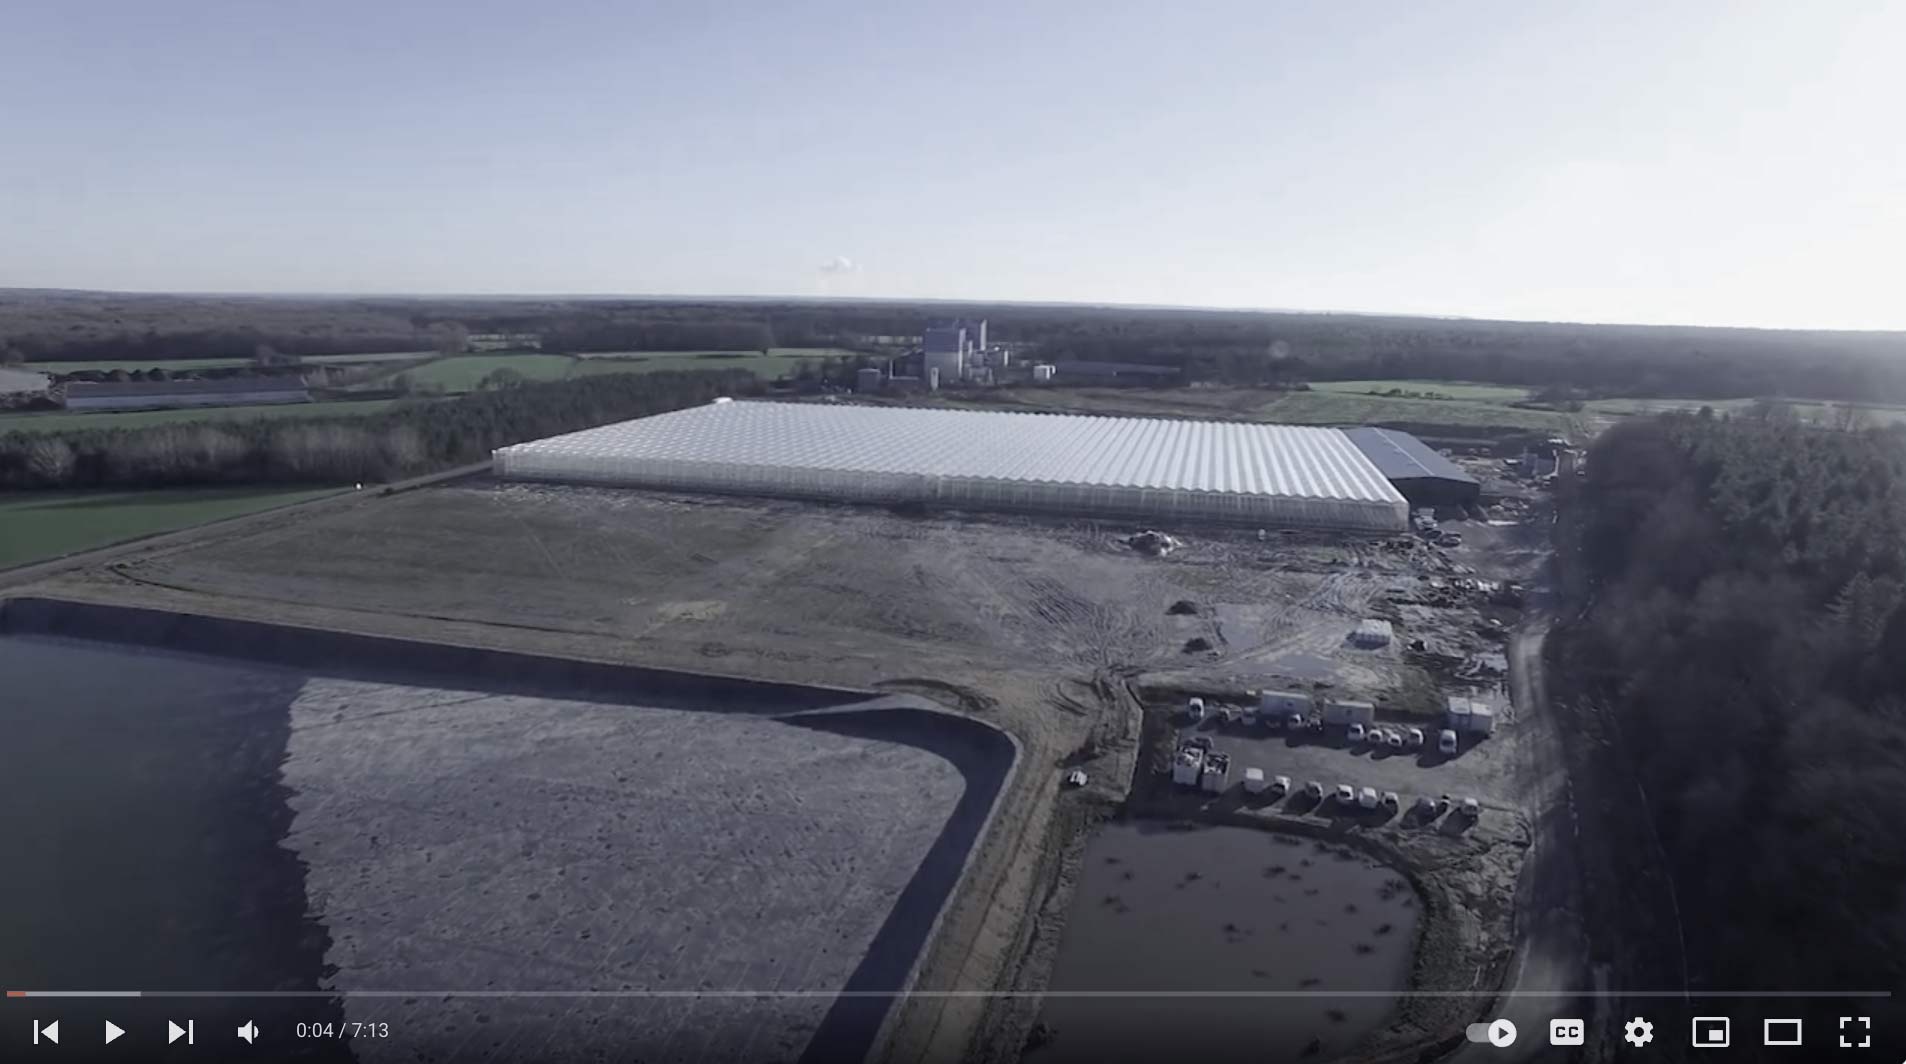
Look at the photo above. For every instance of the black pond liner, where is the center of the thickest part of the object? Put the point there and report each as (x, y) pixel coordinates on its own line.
(983, 754)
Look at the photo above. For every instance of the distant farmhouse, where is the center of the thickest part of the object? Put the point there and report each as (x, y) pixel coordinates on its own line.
(1124, 372)
(162, 395)
(505, 342)
(21, 382)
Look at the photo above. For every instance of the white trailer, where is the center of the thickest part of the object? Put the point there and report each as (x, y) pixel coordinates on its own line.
(1470, 717)
(1254, 781)
(1482, 719)
(1341, 711)
(1278, 705)
(1371, 633)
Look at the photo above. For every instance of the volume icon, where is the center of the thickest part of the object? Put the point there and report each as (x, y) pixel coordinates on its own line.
(248, 1031)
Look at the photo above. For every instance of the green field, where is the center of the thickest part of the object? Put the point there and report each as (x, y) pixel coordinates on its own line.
(35, 526)
(1420, 389)
(1293, 408)
(1626, 407)
(773, 352)
(56, 421)
(1344, 408)
(109, 365)
(767, 367)
(463, 373)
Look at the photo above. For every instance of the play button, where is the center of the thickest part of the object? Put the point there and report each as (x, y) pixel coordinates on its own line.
(1502, 1034)
(112, 1031)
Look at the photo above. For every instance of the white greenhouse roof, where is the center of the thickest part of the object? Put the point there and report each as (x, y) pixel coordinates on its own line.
(954, 454)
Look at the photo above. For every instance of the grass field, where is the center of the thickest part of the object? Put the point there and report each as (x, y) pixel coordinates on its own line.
(767, 367)
(464, 373)
(209, 363)
(56, 421)
(1464, 390)
(1626, 407)
(1293, 408)
(1343, 408)
(773, 352)
(35, 526)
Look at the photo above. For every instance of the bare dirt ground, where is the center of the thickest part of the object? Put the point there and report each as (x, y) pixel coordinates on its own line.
(1055, 631)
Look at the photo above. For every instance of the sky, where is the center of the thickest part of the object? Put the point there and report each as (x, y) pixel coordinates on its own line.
(1715, 162)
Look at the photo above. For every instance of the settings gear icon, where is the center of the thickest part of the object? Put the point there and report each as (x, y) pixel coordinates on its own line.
(1639, 1032)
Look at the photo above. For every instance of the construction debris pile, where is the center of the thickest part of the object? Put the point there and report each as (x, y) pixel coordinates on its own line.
(1151, 542)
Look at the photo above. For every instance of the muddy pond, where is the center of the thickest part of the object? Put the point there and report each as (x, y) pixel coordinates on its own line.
(1225, 943)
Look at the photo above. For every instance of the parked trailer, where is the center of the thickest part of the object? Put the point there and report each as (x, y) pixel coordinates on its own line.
(1339, 711)
(1281, 704)
(1468, 716)
(1371, 633)
(1254, 781)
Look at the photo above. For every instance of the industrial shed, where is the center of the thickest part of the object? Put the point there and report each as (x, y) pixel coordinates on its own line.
(1423, 476)
(150, 395)
(1275, 475)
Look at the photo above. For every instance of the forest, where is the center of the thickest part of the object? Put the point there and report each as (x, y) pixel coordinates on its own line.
(1746, 628)
(1246, 347)
(413, 438)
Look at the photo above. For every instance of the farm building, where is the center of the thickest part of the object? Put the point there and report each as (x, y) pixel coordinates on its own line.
(1275, 475)
(505, 342)
(1423, 476)
(21, 382)
(154, 395)
(1081, 371)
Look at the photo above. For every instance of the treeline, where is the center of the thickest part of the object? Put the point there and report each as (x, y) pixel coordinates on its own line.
(1748, 634)
(407, 440)
(1246, 347)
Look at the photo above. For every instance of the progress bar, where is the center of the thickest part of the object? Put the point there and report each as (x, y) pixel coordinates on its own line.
(1132, 994)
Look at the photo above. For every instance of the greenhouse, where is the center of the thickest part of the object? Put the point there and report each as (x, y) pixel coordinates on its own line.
(1274, 475)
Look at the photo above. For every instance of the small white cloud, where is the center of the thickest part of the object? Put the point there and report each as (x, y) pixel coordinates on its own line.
(840, 264)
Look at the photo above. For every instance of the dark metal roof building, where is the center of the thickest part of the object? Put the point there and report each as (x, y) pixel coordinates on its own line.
(1423, 476)
(228, 391)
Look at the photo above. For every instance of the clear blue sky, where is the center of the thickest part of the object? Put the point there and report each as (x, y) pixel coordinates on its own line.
(1706, 162)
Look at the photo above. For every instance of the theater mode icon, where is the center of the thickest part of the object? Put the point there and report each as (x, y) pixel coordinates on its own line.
(1780, 1032)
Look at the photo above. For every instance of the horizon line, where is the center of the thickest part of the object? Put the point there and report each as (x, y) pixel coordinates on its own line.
(946, 300)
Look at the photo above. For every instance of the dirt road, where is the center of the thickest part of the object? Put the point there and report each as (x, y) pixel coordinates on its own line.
(1552, 961)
